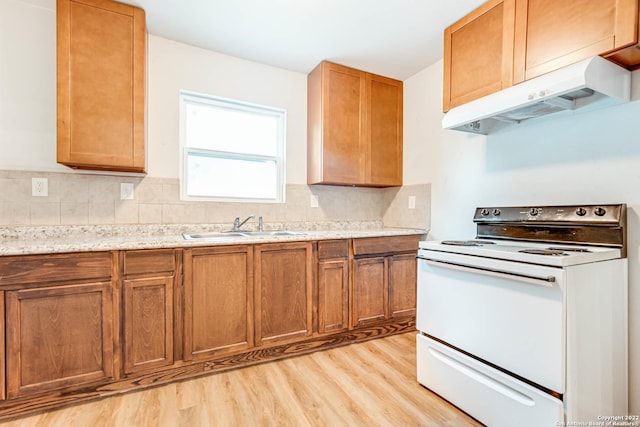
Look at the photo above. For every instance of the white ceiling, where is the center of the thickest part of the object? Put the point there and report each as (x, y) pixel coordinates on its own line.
(395, 38)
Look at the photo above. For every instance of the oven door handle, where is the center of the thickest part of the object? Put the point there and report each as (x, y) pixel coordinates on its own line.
(527, 278)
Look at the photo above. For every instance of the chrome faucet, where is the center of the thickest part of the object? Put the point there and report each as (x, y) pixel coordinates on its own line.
(237, 224)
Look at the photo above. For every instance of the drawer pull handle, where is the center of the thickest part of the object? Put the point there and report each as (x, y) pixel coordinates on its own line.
(536, 280)
(483, 379)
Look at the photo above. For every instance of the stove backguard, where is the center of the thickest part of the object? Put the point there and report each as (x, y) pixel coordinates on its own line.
(601, 225)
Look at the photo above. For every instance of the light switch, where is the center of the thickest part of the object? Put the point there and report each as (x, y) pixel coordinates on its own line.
(314, 201)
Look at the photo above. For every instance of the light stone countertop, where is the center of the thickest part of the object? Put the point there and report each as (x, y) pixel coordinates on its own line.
(45, 242)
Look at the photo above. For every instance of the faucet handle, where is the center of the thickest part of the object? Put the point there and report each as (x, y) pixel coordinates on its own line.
(260, 224)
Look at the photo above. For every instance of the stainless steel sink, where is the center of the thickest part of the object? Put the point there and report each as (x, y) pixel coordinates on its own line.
(240, 234)
(272, 233)
(213, 235)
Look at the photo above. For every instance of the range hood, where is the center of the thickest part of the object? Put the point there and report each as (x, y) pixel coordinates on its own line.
(585, 85)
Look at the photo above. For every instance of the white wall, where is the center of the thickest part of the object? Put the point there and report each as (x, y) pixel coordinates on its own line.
(589, 158)
(28, 85)
(175, 66)
(28, 92)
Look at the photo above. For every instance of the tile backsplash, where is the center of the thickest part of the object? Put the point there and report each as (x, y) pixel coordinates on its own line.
(89, 199)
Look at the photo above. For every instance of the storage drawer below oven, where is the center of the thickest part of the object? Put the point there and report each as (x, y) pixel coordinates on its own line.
(491, 396)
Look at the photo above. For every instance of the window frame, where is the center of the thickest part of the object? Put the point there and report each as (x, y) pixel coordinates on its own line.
(188, 97)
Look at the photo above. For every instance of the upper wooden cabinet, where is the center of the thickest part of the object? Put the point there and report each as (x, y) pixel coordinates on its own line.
(478, 53)
(505, 42)
(383, 120)
(354, 127)
(552, 34)
(101, 51)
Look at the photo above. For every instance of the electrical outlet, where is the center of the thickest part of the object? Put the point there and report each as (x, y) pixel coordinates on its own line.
(39, 187)
(412, 202)
(314, 201)
(126, 191)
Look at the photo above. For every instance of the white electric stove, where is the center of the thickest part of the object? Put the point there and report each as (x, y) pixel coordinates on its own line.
(526, 323)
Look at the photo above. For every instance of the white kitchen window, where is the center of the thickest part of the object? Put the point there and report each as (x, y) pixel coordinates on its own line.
(231, 150)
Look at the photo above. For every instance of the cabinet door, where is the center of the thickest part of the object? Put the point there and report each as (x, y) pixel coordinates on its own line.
(148, 323)
(336, 98)
(57, 337)
(478, 53)
(552, 34)
(402, 285)
(383, 161)
(370, 291)
(218, 287)
(333, 294)
(101, 48)
(148, 308)
(2, 349)
(283, 297)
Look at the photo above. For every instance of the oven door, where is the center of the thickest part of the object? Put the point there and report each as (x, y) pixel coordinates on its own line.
(509, 314)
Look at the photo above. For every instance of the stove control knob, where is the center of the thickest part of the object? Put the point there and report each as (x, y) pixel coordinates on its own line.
(581, 211)
(484, 212)
(496, 212)
(599, 211)
(533, 211)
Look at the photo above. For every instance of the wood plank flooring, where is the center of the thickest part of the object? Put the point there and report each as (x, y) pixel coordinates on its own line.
(367, 384)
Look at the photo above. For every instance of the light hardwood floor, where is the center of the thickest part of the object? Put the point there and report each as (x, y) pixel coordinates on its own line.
(366, 384)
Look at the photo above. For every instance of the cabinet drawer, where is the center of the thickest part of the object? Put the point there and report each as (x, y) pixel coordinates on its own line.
(489, 395)
(385, 245)
(328, 249)
(48, 268)
(149, 261)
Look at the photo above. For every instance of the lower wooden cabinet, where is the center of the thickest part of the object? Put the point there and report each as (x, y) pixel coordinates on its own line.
(102, 322)
(402, 285)
(333, 286)
(383, 278)
(58, 336)
(148, 301)
(58, 321)
(370, 288)
(283, 289)
(3, 384)
(218, 299)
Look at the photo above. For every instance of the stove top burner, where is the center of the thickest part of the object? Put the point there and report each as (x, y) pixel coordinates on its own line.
(547, 252)
(466, 242)
(566, 249)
